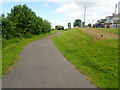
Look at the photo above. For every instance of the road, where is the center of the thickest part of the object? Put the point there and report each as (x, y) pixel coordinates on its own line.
(41, 65)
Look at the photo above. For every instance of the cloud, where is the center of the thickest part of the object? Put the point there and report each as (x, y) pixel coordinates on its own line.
(70, 10)
(94, 10)
(56, 1)
(73, 9)
(59, 22)
(45, 5)
(67, 8)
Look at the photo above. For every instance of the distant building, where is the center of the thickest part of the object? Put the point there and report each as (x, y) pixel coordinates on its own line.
(103, 20)
(116, 18)
(113, 20)
(110, 21)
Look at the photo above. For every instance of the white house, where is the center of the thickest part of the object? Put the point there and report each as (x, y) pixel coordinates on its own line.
(114, 20)
(109, 19)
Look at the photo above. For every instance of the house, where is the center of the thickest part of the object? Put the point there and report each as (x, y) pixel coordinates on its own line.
(113, 21)
(100, 23)
(116, 18)
(103, 20)
(109, 19)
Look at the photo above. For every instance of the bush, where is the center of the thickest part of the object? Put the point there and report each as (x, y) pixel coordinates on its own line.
(22, 21)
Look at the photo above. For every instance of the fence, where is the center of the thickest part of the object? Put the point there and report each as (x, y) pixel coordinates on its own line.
(117, 26)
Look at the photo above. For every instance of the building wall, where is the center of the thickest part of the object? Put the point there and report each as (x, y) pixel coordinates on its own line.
(109, 19)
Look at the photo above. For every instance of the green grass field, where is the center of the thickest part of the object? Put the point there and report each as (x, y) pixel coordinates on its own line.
(11, 48)
(98, 60)
(116, 31)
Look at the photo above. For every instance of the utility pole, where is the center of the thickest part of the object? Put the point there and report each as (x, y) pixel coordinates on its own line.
(115, 8)
(115, 13)
(118, 7)
(84, 15)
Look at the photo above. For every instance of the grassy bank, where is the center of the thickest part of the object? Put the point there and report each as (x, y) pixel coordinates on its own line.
(98, 60)
(116, 31)
(11, 48)
(0, 55)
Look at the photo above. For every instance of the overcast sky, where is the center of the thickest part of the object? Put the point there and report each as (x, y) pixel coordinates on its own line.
(60, 12)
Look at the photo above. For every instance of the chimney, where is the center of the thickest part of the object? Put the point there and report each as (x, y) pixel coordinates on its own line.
(113, 14)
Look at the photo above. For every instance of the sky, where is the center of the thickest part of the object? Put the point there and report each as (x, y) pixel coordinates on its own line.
(60, 12)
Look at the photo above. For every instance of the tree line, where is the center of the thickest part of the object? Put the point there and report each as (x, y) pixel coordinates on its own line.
(77, 23)
(22, 21)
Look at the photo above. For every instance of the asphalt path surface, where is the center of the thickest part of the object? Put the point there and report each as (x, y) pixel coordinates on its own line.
(41, 65)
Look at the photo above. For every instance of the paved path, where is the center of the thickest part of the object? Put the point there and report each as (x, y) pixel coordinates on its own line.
(43, 66)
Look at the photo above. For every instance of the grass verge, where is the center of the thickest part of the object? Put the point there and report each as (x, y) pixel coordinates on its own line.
(11, 48)
(98, 60)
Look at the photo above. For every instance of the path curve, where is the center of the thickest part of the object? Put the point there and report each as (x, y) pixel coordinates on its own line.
(43, 66)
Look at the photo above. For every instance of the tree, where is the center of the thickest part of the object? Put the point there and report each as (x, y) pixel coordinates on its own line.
(23, 21)
(23, 18)
(7, 28)
(2, 15)
(0, 19)
(62, 28)
(56, 27)
(69, 25)
(102, 21)
(46, 26)
(0, 26)
(83, 24)
(77, 22)
(59, 27)
(102, 24)
(89, 25)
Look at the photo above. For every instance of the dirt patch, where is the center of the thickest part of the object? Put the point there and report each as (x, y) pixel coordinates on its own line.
(98, 34)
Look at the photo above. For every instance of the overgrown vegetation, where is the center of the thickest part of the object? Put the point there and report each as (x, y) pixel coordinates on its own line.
(97, 59)
(11, 48)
